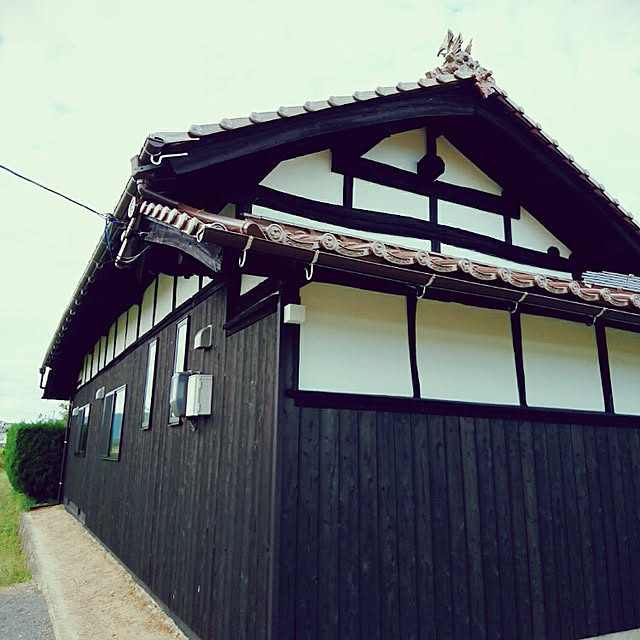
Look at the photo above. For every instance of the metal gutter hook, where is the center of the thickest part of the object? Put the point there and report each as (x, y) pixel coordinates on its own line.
(515, 306)
(160, 157)
(243, 257)
(423, 289)
(594, 318)
(308, 271)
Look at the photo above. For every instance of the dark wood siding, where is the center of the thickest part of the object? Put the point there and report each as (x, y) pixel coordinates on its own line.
(190, 511)
(428, 526)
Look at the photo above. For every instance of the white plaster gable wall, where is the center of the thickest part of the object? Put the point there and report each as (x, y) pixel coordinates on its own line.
(561, 364)
(528, 232)
(402, 150)
(146, 311)
(354, 341)
(307, 176)
(132, 325)
(476, 256)
(121, 333)
(465, 353)
(470, 219)
(624, 362)
(164, 297)
(378, 197)
(248, 282)
(461, 171)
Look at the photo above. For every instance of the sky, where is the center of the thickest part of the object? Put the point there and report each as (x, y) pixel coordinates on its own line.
(84, 82)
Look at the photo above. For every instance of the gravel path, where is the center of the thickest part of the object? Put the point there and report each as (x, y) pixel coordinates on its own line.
(89, 594)
(23, 613)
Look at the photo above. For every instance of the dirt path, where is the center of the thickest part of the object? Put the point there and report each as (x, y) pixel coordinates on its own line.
(88, 592)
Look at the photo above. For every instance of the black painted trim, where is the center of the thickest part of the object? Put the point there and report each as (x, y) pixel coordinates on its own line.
(347, 192)
(251, 315)
(412, 307)
(516, 337)
(508, 235)
(363, 402)
(364, 220)
(605, 371)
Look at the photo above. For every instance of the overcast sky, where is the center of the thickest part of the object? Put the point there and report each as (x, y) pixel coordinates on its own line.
(84, 82)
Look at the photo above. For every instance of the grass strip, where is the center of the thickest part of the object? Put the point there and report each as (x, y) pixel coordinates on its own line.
(12, 561)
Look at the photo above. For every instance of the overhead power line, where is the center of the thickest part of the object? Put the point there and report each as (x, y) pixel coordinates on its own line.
(107, 216)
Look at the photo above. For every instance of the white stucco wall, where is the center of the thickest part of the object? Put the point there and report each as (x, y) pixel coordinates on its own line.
(308, 176)
(561, 364)
(465, 353)
(461, 171)
(528, 232)
(624, 362)
(402, 150)
(354, 341)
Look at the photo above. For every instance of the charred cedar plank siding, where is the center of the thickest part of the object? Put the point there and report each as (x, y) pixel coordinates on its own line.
(408, 525)
(189, 511)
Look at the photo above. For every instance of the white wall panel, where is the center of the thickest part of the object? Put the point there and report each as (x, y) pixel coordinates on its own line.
(308, 176)
(354, 341)
(111, 342)
(624, 362)
(186, 288)
(248, 282)
(286, 218)
(146, 310)
(483, 258)
(465, 353)
(121, 334)
(86, 369)
(378, 197)
(528, 232)
(95, 359)
(403, 150)
(103, 351)
(461, 217)
(132, 325)
(461, 171)
(164, 297)
(561, 364)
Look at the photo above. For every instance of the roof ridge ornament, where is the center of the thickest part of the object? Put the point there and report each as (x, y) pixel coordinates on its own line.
(460, 65)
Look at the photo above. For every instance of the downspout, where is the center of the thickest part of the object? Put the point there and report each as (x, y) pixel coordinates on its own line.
(65, 448)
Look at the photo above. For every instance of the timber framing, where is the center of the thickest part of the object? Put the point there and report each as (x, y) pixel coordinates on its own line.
(389, 223)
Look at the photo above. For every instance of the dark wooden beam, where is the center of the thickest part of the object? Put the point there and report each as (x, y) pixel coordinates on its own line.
(364, 220)
(389, 176)
(448, 100)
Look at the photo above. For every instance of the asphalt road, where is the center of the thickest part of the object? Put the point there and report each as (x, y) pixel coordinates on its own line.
(23, 613)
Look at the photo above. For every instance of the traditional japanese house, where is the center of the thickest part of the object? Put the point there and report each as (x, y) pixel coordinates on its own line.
(411, 353)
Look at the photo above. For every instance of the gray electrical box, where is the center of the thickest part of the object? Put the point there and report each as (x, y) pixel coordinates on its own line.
(178, 393)
(199, 394)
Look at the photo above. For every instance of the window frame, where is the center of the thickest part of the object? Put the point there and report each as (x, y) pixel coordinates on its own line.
(82, 421)
(175, 421)
(111, 400)
(149, 383)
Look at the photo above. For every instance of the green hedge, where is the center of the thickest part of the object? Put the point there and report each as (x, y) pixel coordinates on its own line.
(32, 458)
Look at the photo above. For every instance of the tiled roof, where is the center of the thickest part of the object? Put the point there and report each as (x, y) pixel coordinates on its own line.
(208, 227)
(458, 67)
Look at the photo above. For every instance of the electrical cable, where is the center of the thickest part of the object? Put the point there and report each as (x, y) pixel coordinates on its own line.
(107, 216)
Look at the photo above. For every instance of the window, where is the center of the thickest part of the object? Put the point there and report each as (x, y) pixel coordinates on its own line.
(180, 357)
(148, 384)
(82, 422)
(112, 418)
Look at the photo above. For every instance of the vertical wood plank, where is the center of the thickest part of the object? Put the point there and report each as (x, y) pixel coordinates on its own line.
(387, 526)
(440, 528)
(328, 535)
(369, 536)
(474, 536)
(349, 527)
(423, 515)
(406, 518)
(489, 533)
(503, 526)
